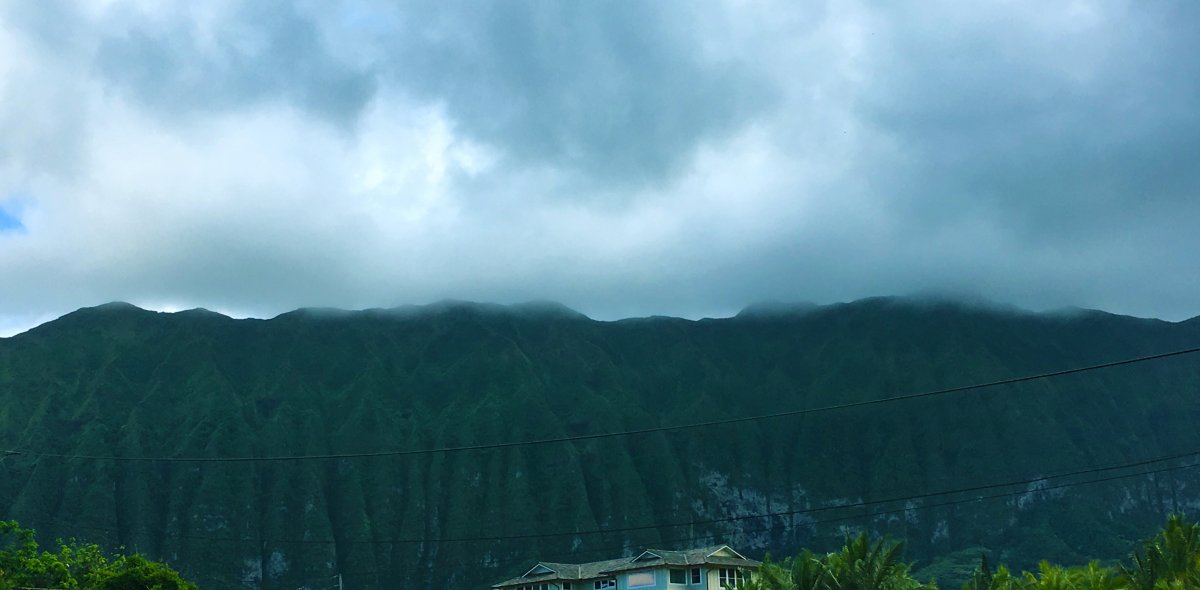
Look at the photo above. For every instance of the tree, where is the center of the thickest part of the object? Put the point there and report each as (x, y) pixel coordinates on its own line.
(1170, 559)
(860, 565)
(138, 573)
(76, 566)
(771, 576)
(22, 565)
(863, 565)
(809, 572)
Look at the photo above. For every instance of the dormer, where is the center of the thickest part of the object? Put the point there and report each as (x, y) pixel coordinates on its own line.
(539, 570)
(646, 556)
(725, 551)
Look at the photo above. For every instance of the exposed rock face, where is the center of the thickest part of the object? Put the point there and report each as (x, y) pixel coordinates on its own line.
(118, 380)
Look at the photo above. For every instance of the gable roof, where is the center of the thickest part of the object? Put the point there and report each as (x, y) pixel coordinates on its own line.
(542, 568)
(546, 571)
(727, 549)
(712, 555)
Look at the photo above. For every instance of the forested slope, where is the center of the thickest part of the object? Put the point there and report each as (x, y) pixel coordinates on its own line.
(118, 380)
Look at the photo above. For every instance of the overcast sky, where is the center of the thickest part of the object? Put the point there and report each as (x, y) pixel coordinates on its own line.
(621, 158)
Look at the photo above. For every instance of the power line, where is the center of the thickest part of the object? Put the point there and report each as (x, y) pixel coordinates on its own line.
(798, 512)
(803, 511)
(814, 522)
(612, 434)
(955, 502)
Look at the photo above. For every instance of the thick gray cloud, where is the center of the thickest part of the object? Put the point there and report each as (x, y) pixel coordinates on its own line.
(259, 52)
(1051, 119)
(620, 93)
(621, 158)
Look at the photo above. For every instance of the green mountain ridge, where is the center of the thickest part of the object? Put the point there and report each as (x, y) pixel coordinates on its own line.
(118, 380)
(765, 309)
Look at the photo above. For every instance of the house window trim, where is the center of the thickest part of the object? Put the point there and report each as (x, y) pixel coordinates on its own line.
(725, 575)
(683, 574)
(696, 576)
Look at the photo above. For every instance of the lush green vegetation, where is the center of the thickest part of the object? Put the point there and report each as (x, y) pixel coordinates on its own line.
(116, 380)
(23, 564)
(860, 565)
(1168, 561)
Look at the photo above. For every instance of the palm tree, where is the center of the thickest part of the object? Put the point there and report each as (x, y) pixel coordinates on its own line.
(771, 576)
(809, 572)
(1050, 577)
(862, 565)
(1097, 577)
(1169, 559)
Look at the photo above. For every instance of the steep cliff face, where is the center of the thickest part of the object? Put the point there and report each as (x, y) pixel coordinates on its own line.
(117, 380)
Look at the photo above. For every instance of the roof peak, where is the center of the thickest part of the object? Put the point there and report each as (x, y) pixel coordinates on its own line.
(694, 556)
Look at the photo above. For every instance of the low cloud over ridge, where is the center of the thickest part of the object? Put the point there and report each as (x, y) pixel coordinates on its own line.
(655, 158)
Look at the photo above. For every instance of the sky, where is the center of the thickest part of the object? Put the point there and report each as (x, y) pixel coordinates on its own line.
(622, 158)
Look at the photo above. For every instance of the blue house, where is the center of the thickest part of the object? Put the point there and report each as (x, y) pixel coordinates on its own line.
(704, 568)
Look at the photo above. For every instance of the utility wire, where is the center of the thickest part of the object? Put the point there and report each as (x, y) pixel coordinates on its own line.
(860, 504)
(612, 434)
(814, 522)
(955, 502)
(752, 531)
(798, 512)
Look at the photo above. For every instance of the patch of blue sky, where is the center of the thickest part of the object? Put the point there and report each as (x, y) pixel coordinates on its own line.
(10, 216)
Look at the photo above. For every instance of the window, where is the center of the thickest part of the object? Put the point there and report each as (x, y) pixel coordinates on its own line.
(566, 586)
(730, 578)
(678, 577)
(602, 584)
(695, 575)
(640, 580)
(542, 586)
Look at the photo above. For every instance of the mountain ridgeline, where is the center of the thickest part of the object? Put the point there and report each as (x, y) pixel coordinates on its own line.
(118, 380)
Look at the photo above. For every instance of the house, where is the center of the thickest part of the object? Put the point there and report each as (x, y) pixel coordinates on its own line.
(705, 568)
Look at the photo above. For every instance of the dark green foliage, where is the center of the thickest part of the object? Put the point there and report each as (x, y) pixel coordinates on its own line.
(808, 572)
(77, 567)
(118, 380)
(1169, 561)
(860, 565)
(955, 567)
(863, 565)
(138, 573)
(1172, 557)
(1095, 576)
